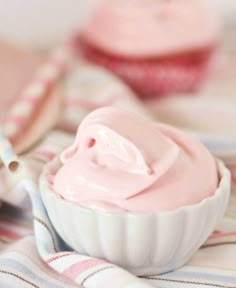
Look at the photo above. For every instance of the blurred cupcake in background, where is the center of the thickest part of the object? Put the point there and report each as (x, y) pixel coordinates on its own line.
(157, 47)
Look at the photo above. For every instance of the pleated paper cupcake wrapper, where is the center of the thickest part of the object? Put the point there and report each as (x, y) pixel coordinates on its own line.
(151, 78)
(145, 243)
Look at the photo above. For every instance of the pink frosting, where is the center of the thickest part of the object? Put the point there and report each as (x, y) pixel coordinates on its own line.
(122, 161)
(148, 28)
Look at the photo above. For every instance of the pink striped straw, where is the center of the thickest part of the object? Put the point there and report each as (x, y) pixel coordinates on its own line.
(8, 155)
(32, 98)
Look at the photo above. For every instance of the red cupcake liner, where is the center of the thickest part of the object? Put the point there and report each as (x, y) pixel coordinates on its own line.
(153, 77)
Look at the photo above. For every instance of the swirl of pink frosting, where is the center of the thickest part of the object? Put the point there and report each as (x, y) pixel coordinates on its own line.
(122, 161)
(151, 28)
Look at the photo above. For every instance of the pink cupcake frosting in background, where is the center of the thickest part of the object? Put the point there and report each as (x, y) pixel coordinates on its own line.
(145, 44)
(149, 28)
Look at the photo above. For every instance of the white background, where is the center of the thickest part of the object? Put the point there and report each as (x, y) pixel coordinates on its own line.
(43, 23)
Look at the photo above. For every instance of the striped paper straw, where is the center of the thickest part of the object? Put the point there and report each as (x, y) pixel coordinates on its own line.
(36, 93)
(8, 155)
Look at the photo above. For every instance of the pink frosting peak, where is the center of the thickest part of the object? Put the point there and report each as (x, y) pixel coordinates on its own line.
(151, 28)
(121, 161)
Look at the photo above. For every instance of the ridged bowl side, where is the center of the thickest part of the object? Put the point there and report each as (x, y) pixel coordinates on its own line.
(143, 243)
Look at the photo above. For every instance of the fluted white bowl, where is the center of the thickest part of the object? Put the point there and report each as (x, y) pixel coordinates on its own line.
(143, 243)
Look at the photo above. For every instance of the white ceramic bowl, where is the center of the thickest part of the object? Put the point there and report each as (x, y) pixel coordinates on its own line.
(143, 243)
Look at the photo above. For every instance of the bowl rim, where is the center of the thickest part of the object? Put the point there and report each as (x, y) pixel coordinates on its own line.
(223, 188)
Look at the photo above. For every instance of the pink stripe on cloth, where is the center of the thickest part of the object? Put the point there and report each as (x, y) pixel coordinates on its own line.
(44, 153)
(218, 233)
(76, 269)
(14, 222)
(46, 82)
(16, 119)
(31, 99)
(58, 256)
(9, 234)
